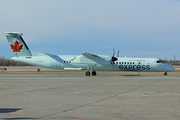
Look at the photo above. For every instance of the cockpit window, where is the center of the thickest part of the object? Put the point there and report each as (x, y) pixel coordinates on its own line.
(160, 61)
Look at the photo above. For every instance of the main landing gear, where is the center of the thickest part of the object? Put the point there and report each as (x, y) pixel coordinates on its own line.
(89, 68)
(165, 73)
(88, 73)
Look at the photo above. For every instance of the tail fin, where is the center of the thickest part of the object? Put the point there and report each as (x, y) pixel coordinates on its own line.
(17, 44)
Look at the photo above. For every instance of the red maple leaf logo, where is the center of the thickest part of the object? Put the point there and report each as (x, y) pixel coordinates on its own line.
(16, 47)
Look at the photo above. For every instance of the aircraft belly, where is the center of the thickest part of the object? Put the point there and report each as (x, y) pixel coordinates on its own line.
(106, 67)
(85, 66)
(38, 61)
(76, 66)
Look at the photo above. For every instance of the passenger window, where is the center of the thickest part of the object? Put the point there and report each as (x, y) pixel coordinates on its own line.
(130, 62)
(133, 62)
(127, 62)
(122, 62)
(119, 62)
(116, 62)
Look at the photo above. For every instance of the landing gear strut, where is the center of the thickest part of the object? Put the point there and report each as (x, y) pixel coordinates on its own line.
(165, 73)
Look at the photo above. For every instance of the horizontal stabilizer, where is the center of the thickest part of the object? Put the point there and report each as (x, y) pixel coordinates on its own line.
(13, 33)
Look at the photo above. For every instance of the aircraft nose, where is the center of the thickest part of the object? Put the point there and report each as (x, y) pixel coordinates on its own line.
(171, 68)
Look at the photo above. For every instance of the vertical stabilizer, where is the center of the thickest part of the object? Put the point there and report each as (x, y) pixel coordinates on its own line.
(17, 44)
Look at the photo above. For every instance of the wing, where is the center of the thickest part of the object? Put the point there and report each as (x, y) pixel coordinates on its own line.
(89, 55)
(95, 58)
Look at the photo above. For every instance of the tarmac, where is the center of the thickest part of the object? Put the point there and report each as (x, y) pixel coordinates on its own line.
(101, 97)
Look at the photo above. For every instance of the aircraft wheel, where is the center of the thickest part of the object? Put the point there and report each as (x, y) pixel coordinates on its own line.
(94, 73)
(165, 73)
(87, 73)
(38, 69)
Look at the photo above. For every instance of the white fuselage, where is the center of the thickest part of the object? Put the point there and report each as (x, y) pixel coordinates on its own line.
(80, 62)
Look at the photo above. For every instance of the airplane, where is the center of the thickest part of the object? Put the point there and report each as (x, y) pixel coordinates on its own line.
(85, 61)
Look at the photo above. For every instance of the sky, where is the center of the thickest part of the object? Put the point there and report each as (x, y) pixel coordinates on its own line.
(138, 28)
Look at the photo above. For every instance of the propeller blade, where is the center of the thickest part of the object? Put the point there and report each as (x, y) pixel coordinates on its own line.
(114, 58)
(113, 52)
(118, 53)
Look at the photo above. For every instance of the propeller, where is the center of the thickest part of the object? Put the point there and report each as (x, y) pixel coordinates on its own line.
(118, 53)
(114, 58)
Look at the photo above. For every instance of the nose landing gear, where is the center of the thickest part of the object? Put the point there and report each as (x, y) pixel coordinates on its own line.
(165, 73)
